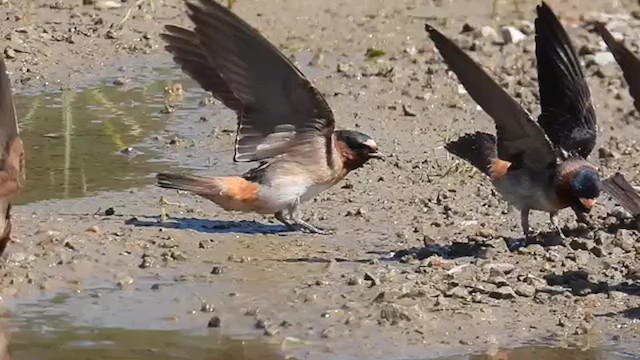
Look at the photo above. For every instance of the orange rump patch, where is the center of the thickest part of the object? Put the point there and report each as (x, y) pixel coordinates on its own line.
(236, 194)
(240, 189)
(498, 169)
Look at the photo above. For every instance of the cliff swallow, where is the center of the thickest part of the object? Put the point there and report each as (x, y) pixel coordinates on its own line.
(12, 170)
(617, 186)
(533, 165)
(283, 121)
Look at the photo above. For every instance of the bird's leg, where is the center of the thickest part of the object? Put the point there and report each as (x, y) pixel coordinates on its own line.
(524, 221)
(283, 219)
(583, 218)
(552, 219)
(163, 211)
(296, 217)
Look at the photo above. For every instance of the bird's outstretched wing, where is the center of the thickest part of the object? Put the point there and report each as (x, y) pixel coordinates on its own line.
(277, 106)
(629, 63)
(520, 138)
(568, 117)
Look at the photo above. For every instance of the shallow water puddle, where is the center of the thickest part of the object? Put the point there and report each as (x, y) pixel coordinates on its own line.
(549, 353)
(76, 139)
(75, 343)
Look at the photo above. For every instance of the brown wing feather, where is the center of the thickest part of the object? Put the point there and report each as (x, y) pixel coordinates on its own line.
(520, 139)
(623, 193)
(184, 45)
(278, 104)
(629, 63)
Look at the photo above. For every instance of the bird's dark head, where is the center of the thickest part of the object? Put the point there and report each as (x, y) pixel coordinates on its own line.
(585, 186)
(356, 148)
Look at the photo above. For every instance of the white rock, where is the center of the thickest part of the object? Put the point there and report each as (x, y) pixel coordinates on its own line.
(603, 58)
(487, 32)
(511, 35)
(107, 4)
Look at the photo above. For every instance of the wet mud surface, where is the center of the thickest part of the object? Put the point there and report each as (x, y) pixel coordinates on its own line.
(425, 263)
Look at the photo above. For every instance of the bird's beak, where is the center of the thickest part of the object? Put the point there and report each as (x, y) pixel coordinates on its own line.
(376, 155)
(588, 203)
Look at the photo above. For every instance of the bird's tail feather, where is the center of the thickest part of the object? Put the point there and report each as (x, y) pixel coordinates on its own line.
(195, 184)
(478, 149)
(623, 193)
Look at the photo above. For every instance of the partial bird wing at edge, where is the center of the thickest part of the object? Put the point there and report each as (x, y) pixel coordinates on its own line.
(568, 117)
(623, 193)
(520, 138)
(629, 63)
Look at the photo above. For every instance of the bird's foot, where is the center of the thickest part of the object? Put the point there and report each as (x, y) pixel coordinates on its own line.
(305, 226)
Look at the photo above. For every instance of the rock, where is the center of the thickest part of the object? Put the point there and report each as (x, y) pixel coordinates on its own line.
(511, 35)
(217, 270)
(486, 32)
(9, 53)
(604, 153)
(458, 292)
(206, 308)
(499, 281)
(124, 281)
(395, 313)
(406, 111)
(107, 4)
(527, 27)
(601, 238)
(369, 277)
(526, 290)
(580, 244)
(603, 58)
(503, 293)
(215, 322)
(498, 244)
(607, 71)
(625, 239)
(109, 212)
(486, 233)
(505, 268)
(597, 251)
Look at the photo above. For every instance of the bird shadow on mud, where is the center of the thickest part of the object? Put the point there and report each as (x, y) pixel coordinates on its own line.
(482, 248)
(209, 226)
(578, 283)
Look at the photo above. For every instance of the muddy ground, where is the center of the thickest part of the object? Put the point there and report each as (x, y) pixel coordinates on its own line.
(425, 260)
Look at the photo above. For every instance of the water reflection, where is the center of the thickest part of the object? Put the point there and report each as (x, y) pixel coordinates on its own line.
(73, 138)
(75, 343)
(549, 353)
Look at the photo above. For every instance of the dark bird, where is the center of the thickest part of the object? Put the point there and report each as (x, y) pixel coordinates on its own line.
(617, 186)
(533, 165)
(283, 121)
(12, 170)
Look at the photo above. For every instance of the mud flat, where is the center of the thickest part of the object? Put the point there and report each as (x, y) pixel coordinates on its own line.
(425, 262)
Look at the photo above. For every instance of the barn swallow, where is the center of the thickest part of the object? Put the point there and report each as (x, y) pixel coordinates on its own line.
(283, 121)
(533, 165)
(12, 162)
